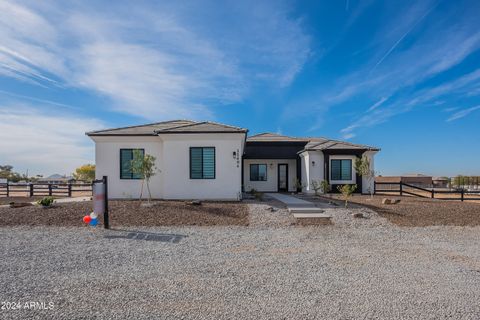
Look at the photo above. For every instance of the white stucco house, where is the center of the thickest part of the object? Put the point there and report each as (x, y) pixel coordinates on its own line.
(207, 160)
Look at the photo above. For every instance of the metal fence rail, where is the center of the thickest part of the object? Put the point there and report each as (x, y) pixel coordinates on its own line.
(402, 188)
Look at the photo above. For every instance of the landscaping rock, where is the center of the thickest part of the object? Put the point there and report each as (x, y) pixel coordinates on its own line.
(195, 203)
(357, 215)
(20, 204)
(390, 201)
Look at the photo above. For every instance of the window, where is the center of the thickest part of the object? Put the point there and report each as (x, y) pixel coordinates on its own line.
(202, 163)
(341, 169)
(258, 172)
(126, 157)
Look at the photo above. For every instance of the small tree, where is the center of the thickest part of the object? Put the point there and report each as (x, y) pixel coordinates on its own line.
(362, 167)
(347, 190)
(144, 165)
(298, 185)
(85, 173)
(317, 186)
(325, 186)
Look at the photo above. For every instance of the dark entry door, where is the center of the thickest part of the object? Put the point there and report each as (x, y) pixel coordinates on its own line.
(282, 177)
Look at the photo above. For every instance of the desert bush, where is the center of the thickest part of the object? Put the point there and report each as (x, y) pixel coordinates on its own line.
(299, 185)
(347, 190)
(46, 201)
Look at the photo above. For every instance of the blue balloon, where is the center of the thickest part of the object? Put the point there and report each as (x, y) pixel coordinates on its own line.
(93, 222)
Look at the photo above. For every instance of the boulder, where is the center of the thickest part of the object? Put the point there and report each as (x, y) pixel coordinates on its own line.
(390, 201)
(357, 215)
(195, 203)
(20, 204)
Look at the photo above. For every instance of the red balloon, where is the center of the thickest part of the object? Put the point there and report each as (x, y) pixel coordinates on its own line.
(87, 219)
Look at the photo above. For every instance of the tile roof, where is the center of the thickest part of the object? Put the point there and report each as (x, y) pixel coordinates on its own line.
(174, 126)
(312, 143)
(270, 137)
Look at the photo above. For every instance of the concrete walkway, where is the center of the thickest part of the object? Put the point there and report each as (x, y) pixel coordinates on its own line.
(300, 208)
(291, 201)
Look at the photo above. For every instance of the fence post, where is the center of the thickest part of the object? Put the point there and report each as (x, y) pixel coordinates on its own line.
(401, 188)
(375, 187)
(8, 190)
(50, 189)
(462, 193)
(433, 193)
(105, 214)
(70, 190)
(31, 190)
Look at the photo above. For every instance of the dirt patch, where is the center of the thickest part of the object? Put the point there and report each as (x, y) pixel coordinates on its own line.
(5, 200)
(420, 212)
(129, 213)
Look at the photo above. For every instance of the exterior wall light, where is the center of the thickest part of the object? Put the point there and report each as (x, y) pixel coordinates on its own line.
(313, 163)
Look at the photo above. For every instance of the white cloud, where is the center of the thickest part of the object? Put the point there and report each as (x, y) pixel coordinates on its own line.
(159, 61)
(45, 142)
(377, 104)
(437, 47)
(463, 113)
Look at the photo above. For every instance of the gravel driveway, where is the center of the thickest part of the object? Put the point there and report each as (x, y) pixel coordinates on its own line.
(353, 269)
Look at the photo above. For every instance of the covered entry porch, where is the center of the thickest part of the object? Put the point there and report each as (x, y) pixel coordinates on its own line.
(270, 175)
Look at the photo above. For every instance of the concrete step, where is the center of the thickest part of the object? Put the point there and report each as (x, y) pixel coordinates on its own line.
(305, 210)
(312, 215)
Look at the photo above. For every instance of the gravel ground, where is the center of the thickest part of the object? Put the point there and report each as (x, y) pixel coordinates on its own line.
(353, 269)
(420, 212)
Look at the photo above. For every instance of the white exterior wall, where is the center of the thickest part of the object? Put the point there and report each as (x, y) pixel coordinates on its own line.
(314, 164)
(172, 151)
(176, 157)
(368, 184)
(304, 159)
(107, 161)
(271, 185)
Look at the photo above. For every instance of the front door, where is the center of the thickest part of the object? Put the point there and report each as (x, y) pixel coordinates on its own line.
(282, 177)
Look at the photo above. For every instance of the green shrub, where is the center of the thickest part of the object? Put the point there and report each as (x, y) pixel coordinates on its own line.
(46, 201)
(258, 196)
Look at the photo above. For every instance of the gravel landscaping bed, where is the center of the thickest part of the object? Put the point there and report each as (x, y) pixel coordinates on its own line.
(130, 213)
(230, 272)
(421, 212)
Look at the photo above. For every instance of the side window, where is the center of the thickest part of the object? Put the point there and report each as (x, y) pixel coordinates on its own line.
(341, 169)
(126, 157)
(258, 172)
(202, 163)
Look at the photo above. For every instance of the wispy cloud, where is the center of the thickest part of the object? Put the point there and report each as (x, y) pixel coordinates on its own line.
(389, 51)
(56, 139)
(157, 61)
(377, 104)
(463, 113)
(435, 46)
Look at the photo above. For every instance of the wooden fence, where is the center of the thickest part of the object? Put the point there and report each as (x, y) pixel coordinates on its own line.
(45, 189)
(402, 188)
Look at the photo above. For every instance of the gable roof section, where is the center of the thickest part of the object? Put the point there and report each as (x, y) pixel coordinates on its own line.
(320, 144)
(202, 127)
(311, 143)
(273, 137)
(173, 126)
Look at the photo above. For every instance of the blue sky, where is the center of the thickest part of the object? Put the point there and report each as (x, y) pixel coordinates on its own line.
(400, 75)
